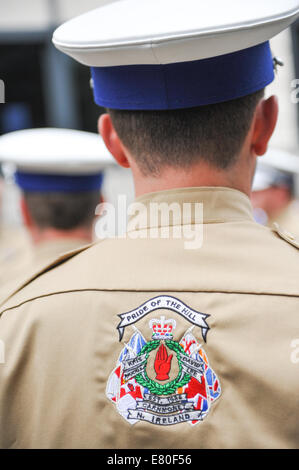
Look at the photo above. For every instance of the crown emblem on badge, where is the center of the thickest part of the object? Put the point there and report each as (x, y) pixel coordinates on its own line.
(162, 329)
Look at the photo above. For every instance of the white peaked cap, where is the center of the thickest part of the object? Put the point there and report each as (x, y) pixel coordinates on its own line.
(131, 32)
(55, 151)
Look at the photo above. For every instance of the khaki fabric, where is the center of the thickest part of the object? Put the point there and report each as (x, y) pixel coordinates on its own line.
(62, 341)
(15, 254)
(49, 250)
(288, 218)
(26, 263)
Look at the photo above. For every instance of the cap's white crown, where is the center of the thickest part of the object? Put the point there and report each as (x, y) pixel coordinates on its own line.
(168, 31)
(51, 150)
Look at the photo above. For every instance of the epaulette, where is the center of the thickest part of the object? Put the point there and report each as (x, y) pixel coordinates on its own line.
(285, 235)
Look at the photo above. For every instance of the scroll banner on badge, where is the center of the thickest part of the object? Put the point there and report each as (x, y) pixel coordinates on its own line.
(134, 366)
(166, 302)
(166, 405)
(165, 420)
(192, 367)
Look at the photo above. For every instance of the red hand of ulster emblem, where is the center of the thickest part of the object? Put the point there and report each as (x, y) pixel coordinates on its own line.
(162, 363)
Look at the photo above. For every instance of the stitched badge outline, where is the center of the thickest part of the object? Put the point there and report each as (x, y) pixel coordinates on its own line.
(163, 381)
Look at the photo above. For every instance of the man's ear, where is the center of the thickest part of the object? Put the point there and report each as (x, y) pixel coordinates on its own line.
(265, 120)
(112, 141)
(27, 219)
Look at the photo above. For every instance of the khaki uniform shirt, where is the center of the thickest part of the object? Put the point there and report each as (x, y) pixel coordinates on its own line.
(15, 253)
(141, 342)
(288, 218)
(29, 259)
(47, 251)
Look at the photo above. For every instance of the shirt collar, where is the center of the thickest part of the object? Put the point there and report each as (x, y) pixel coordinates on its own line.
(219, 205)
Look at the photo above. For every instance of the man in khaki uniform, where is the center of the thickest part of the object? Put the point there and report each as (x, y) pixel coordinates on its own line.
(178, 335)
(60, 174)
(13, 243)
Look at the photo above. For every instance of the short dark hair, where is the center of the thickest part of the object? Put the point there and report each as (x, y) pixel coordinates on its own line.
(64, 211)
(179, 138)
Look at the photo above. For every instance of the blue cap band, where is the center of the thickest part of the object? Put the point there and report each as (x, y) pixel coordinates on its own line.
(184, 84)
(60, 183)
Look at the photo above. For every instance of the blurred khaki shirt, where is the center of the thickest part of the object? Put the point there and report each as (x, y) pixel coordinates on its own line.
(288, 218)
(14, 253)
(21, 259)
(139, 342)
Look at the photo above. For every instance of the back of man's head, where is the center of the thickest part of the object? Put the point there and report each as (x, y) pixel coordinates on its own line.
(63, 211)
(182, 138)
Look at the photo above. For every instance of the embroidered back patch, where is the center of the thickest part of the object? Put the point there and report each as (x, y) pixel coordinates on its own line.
(163, 381)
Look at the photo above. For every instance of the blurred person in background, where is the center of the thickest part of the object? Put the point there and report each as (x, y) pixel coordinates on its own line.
(60, 175)
(14, 240)
(274, 191)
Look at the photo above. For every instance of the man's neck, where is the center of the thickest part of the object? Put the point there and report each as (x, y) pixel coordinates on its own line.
(52, 234)
(198, 176)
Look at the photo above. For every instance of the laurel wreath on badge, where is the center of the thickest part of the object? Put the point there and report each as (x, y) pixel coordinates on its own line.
(169, 388)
